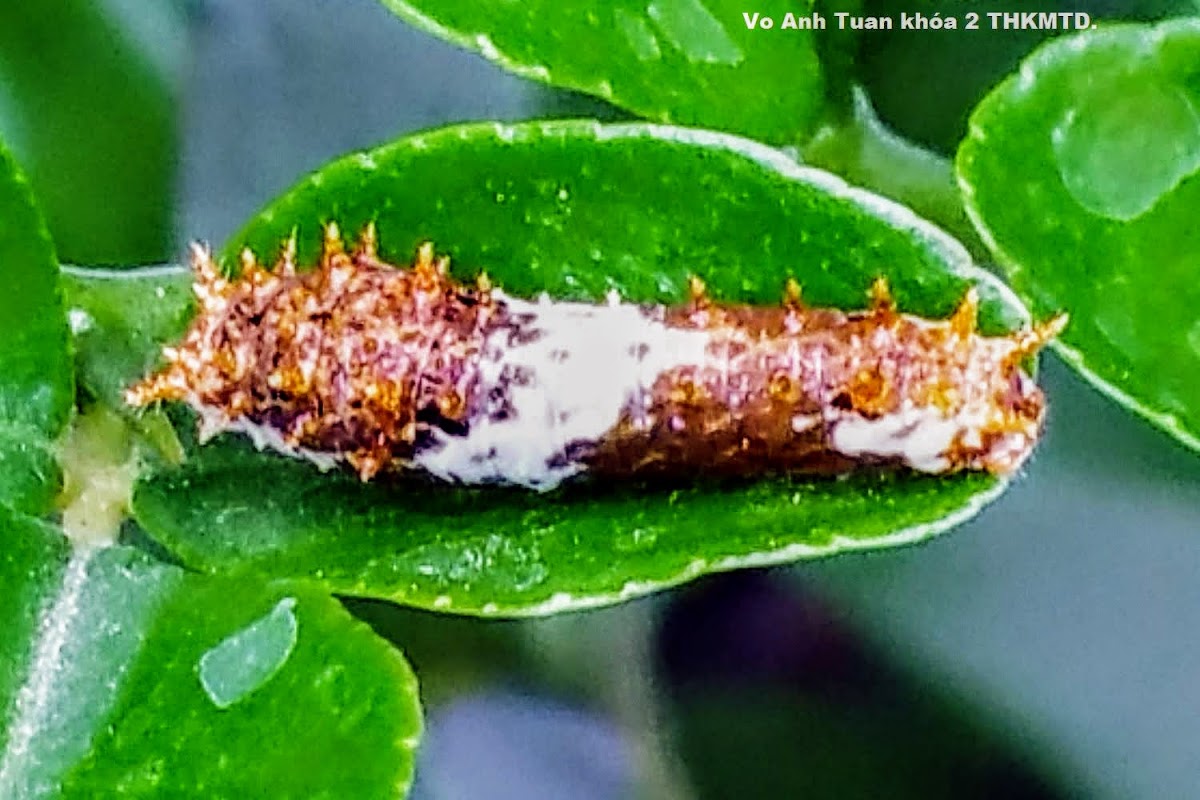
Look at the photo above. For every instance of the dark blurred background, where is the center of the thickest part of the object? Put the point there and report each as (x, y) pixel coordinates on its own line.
(1047, 649)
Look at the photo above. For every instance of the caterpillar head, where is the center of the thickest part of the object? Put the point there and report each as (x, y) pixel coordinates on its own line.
(1001, 441)
(938, 396)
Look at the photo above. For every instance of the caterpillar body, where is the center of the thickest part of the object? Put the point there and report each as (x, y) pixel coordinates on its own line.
(391, 370)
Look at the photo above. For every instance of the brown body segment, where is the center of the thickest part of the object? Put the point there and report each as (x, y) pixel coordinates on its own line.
(779, 379)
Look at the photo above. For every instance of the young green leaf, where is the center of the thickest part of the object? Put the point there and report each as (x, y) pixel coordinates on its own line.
(113, 347)
(36, 384)
(577, 209)
(1082, 171)
(30, 477)
(124, 676)
(36, 381)
(709, 63)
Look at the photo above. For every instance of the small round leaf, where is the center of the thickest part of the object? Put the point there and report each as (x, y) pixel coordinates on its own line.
(1082, 171)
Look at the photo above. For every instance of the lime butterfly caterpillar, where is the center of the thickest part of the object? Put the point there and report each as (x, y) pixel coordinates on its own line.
(391, 370)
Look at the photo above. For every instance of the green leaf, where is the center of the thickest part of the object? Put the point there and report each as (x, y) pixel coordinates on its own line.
(577, 209)
(1083, 173)
(87, 101)
(687, 62)
(117, 679)
(866, 152)
(112, 346)
(36, 384)
(31, 565)
(30, 477)
(925, 83)
(36, 381)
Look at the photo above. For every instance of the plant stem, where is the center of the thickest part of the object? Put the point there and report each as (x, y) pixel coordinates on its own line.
(609, 655)
(866, 152)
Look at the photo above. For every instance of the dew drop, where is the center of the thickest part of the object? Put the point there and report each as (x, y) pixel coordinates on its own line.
(692, 28)
(1120, 150)
(80, 321)
(248, 658)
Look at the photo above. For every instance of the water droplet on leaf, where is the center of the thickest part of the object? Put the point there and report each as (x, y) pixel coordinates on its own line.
(1126, 144)
(247, 659)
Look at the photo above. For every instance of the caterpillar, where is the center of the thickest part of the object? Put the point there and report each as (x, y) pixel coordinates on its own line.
(391, 370)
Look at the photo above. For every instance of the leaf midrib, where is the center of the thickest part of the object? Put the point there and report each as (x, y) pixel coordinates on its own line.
(35, 699)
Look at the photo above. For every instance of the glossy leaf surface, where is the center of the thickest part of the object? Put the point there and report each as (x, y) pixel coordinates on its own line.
(577, 210)
(108, 686)
(35, 371)
(36, 380)
(708, 63)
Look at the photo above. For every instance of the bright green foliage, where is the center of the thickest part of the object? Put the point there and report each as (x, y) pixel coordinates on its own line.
(31, 563)
(113, 346)
(1083, 172)
(548, 207)
(30, 478)
(107, 685)
(36, 382)
(517, 553)
(35, 371)
(91, 114)
(688, 62)
(104, 692)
